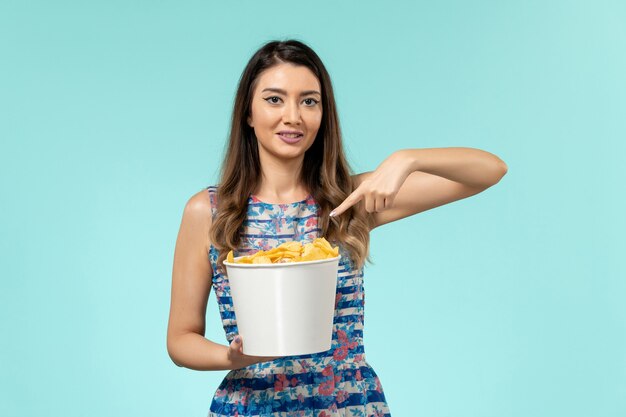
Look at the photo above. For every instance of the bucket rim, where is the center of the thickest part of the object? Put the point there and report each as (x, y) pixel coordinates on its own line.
(281, 265)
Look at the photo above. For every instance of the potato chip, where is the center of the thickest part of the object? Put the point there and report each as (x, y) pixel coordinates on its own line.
(290, 252)
(261, 260)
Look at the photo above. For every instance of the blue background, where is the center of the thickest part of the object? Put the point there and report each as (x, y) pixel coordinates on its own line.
(509, 303)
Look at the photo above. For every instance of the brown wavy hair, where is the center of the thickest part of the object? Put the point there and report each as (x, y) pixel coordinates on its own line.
(325, 170)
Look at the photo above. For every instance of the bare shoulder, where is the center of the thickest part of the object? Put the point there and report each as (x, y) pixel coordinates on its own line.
(199, 203)
(197, 214)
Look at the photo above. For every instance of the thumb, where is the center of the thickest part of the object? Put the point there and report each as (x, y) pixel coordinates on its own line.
(236, 343)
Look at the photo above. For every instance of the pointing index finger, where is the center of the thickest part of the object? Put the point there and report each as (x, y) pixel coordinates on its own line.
(351, 200)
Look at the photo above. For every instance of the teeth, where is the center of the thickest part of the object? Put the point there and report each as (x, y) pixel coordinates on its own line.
(290, 135)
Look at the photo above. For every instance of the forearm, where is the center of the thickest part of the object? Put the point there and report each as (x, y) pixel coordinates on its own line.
(194, 351)
(470, 166)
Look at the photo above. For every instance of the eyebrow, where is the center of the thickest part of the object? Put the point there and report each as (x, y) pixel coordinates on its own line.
(281, 91)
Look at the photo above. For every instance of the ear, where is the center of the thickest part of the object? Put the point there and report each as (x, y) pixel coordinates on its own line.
(249, 120)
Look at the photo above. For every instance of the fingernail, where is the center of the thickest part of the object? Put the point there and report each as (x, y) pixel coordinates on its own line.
(237, 339)
(332, 213)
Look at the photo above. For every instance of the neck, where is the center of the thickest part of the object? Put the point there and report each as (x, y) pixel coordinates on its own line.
(280, 179)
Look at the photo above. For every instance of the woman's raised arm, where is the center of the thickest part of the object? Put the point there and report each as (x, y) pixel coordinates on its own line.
(410, 181)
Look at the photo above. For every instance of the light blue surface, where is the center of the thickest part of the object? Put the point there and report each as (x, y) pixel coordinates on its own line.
(509, 303)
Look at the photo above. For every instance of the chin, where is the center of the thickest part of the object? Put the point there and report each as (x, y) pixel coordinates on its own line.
(289, 155)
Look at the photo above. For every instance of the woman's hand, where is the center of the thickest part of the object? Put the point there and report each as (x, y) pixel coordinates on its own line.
(380, 188)
(237, 357)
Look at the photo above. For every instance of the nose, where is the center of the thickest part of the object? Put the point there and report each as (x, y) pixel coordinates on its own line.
(291, 114)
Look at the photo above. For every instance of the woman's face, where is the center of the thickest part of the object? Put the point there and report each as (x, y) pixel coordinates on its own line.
(287, 98)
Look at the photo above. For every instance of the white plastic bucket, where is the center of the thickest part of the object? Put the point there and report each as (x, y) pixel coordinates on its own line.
(284, 309)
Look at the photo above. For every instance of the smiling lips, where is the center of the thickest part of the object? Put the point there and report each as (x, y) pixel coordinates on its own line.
(290, 136)
(290, 133)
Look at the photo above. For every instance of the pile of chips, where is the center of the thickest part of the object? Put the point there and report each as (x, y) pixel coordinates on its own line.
(290, 252)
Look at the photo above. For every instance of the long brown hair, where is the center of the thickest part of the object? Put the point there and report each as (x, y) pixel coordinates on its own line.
(325, 171)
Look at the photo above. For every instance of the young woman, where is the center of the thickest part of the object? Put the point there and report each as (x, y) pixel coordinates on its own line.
(285, 177)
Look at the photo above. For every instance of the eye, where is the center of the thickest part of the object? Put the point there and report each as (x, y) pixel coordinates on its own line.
(274, 100)
(313, 100)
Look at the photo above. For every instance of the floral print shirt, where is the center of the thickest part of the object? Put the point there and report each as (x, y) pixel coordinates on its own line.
(338, 382)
